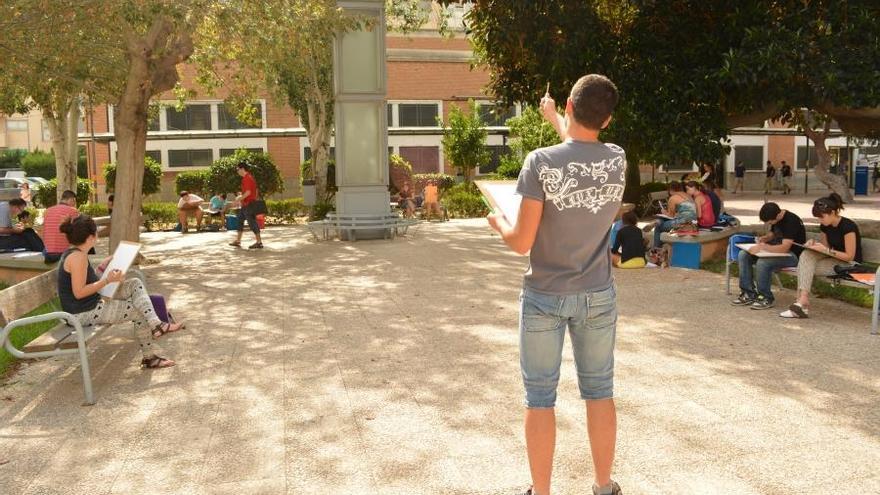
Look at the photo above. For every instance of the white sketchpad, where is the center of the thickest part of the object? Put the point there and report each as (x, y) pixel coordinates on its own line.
(123, 257)
(502, 197)
(761, 254)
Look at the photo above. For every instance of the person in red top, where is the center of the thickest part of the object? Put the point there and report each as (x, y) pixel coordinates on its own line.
(54, 240)
(249, 194)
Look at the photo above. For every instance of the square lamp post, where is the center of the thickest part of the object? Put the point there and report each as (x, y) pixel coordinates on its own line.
(361, 126)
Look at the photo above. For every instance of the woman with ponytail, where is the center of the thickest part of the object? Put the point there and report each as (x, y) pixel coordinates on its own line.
(79, 286)
(840, 243)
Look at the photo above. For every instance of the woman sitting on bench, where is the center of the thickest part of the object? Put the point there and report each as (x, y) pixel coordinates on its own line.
(839, 244)
(680, 210)
(78, 286)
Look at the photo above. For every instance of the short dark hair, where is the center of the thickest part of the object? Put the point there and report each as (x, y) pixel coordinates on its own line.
(183, 193)
(769, 212)
(630, 218)
(593, 98)
(243, 165)
(832, 203)
(77, 229)
(18, 202)
(110, 198)
(68, 194)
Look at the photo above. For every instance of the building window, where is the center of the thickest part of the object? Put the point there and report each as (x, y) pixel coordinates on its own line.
(802, 157)
(494, 115)
(190, 158)
(224, 152)
(424, 159)
(307, 153)
(16, 125)
(390, 115)
(153, 123)
(751, 156)
(47, 136)
(228, 120)
(192, 118)
(156, 155)
(417, 114)
(495, 154)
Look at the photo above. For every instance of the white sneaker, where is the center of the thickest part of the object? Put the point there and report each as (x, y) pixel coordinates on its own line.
(795, 311)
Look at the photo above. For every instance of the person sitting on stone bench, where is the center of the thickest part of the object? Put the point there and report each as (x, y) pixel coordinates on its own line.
(786, 232)
(79, 285)
(681, 209)
(705, 210)
(17, 236)
(189, 204)
(841, 242)
(55, 241)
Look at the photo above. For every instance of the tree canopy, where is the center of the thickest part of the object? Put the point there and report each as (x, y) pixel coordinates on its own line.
(689, 70)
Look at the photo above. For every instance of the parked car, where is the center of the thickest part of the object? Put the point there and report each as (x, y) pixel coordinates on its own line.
(36, 181)
(10, 187)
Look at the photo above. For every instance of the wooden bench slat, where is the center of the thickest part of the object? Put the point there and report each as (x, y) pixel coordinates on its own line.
(60, 337)
(22, 298)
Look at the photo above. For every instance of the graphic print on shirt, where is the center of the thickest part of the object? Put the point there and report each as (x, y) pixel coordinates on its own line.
(561, 184)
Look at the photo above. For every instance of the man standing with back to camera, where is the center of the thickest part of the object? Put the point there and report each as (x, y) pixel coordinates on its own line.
(567, 190)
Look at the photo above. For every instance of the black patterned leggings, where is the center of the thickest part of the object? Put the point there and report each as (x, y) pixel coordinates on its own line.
(132, 303)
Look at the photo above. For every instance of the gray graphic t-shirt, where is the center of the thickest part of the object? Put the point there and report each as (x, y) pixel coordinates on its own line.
(581, 184)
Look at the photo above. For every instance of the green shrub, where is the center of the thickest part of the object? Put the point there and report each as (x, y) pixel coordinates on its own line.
(12, 158)
(509, 167)
(94, 209)
(159, 216)
(321, 209)
(46, 195)
(446, 182)
(528, 132)
(195, 182)
(39, 164)
(152, 177)
(285, 211)
(464, 201)
(223, 175)
(464, 139)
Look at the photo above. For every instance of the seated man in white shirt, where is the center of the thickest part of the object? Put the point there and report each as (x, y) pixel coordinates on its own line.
(189, 204)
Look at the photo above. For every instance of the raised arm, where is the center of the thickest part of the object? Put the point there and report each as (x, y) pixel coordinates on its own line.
(548, 110)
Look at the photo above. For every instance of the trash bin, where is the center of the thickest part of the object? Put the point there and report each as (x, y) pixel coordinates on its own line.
(310, 196)
(861, 181)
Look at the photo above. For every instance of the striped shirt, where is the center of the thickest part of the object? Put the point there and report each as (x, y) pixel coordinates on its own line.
(53, 238)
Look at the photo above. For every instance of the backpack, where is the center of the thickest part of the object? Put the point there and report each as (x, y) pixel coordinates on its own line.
(161, 308)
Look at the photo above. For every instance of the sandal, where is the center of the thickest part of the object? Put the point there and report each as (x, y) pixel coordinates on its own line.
(235, 244)
(256, 245)
(163, 328)
(156, 362)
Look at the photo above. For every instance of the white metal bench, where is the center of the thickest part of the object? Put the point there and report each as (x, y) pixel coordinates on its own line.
(335, 224)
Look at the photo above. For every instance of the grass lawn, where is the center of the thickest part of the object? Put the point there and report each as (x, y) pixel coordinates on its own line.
(821, 288)
(23, 335)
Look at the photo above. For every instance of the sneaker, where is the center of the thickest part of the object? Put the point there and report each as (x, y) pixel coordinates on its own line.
(763, 303)
(795, 311)
(743, 300)
(615, 489)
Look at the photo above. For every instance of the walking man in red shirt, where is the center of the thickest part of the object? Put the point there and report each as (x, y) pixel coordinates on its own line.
(249, 194)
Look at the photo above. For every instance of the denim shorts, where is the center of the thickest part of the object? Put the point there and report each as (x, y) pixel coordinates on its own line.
(591, 319)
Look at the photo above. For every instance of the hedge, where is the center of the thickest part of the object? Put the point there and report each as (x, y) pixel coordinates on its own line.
(46, 195)
(152, 177)
(464, 201)
(195, 182)
(223, 175)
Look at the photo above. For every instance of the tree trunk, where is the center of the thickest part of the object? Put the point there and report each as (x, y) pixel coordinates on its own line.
(632, 192)
(319, 140)
(153, 59)
(64, 130)
(836, 183)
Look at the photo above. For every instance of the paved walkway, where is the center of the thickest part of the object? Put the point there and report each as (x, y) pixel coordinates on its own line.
(391, 367)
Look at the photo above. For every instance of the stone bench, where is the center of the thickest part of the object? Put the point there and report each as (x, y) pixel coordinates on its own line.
(688, 251)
